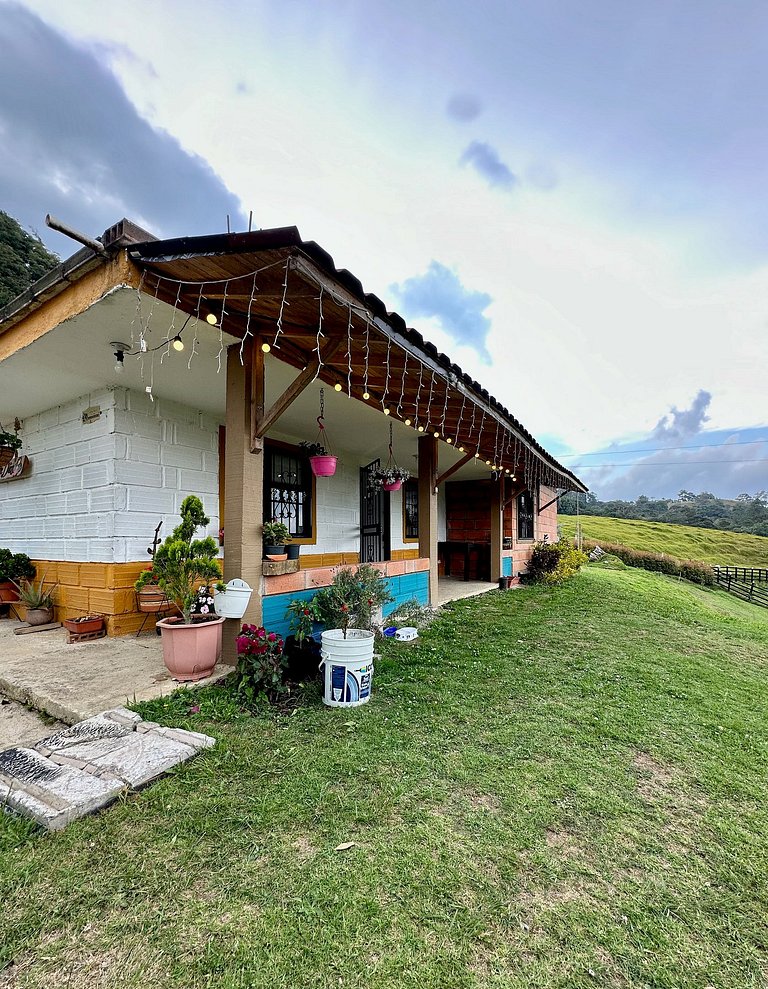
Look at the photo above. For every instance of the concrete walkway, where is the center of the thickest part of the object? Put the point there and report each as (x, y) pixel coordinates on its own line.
(20, 726)
(73, 682)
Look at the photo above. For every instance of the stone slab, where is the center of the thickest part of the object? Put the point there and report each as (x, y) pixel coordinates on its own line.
(84, 767)
(20, 726)
(51, 794)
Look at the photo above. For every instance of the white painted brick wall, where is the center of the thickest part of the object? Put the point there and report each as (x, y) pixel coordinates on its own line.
(97, 491)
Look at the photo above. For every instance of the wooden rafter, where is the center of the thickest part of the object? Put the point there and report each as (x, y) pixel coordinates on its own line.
(291, 393)
(452, 470)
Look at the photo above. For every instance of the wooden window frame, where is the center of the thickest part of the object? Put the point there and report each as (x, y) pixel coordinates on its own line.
(414, 481)
(532, 537)
(296, 451)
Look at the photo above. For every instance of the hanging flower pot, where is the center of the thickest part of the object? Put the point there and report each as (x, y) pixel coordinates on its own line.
(321, 459)
(323, 465)
(390, 477)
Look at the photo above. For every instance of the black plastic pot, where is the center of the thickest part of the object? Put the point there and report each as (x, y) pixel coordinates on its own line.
(292, 549)
(270, 550)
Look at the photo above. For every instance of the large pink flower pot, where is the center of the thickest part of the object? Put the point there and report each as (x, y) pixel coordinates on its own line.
(394, 486)
(323, 466)
(190, 652)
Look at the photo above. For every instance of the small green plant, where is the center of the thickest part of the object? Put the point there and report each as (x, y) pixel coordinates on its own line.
(696, 571)
(553, 563)
(275, 533)
(35, 595)
(182, 562)
(15, 567)
(313, 449)
(352, 598)
(261, 665)
(11, 440)
(303, 615)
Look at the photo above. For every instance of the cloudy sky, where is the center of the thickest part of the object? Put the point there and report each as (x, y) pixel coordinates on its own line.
(568, 198)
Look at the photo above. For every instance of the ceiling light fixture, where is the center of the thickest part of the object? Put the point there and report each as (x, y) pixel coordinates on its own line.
(119, 349)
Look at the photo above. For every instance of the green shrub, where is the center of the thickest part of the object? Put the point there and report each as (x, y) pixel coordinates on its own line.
(261, 665)
(694, 570)
(15, 566)
(552, 563)
(352, 598)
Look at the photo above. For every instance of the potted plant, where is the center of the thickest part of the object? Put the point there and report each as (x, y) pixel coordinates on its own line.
(301, 650)
(275, 535)
(390, 478)
(322, 462)
(190, 648)
(14, 567)
(88, 623)
(37, 600)
(9, 444)
(346, 608)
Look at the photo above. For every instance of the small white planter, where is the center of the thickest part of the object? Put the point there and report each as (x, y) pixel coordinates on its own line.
(233, 602)
(348, 663)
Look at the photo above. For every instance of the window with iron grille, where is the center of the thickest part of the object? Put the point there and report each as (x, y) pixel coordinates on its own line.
(288, 488)
(525, 515)
(411, 509)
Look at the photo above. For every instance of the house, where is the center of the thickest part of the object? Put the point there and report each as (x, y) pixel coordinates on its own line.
(143, 370)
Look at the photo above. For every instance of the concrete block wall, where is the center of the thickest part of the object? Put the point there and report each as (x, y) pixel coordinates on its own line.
(97, 490)
(546, 523)
(171, 451)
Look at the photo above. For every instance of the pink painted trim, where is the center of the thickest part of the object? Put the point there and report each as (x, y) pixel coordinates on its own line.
(317, 577)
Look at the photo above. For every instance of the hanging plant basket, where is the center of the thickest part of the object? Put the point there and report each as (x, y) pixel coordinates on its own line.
(9, 444)
(390, 477)
(321, 458)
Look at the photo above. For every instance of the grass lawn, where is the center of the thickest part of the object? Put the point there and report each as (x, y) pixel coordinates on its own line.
(551, 788)
(686, 542)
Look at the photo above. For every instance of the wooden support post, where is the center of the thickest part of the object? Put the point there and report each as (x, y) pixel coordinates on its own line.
(244, 487)
(497, 527)
(428, 509)
(255, 377)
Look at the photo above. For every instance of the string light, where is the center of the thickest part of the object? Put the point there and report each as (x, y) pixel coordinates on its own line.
(283, 303)
(319, 333)
(449, 440)
(429, 399)
(211, 318)
(348, 354)
(337, 386)
(386, 379)
(398, 410)
(178, 343)
(407, 422)
(266, 347)
(366, 393)
(418, 394)
(248, 322)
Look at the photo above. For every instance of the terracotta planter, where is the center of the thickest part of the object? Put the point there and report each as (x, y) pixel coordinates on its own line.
(80, 626)
(190, 652)
(39, 616)
(8, 592)
(323, 466)
(152, 600)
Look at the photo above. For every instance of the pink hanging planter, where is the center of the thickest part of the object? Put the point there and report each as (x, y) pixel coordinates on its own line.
(324, 466)
(394, 486)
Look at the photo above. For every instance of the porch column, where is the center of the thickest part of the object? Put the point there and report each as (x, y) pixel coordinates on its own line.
(497, 528)
(428, 509)
(243, 488)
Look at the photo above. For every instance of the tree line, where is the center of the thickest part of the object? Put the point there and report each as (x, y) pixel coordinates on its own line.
(745, 513)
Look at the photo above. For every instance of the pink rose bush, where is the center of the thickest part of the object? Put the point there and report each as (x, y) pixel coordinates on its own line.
(261, 665)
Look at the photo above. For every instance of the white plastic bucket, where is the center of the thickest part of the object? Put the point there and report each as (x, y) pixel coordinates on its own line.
(348, 663)
(233, 602)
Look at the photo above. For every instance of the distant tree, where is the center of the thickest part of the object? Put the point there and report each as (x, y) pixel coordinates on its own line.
(685, 495)
(23, 258)
(744, 497)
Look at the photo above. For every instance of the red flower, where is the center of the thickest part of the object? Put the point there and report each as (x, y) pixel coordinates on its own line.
(243, 644)
(306, 611)
(344, 608)
(271, 636)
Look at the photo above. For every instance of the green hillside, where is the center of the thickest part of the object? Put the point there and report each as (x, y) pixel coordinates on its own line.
(683, 541)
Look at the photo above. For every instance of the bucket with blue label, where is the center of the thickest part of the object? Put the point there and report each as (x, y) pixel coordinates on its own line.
(348, 667)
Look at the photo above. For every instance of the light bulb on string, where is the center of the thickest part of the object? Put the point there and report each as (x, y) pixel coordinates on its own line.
(337, 386)
(366, 395)
(211, 318)
(386, 412)
(266, 347)
(449, 440)
(421, 429)
(407, 422)
(461, 449)
(436, 434)
(177, 343)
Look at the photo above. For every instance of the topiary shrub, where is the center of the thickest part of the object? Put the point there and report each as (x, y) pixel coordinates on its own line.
(553, 563)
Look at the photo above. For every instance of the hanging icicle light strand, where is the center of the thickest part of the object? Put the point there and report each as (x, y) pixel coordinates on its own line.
(366, 394)
(399, 409)
(319, 333)
(283, 303)
(348, 354)
(248, 319)
(386, 379)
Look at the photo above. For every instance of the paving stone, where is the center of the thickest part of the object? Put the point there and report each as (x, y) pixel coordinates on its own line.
(82, 768)
(194, 739)
(51, 794)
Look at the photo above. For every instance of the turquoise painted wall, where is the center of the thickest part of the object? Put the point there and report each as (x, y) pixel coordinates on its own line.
(402, 589)
(506, 566)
